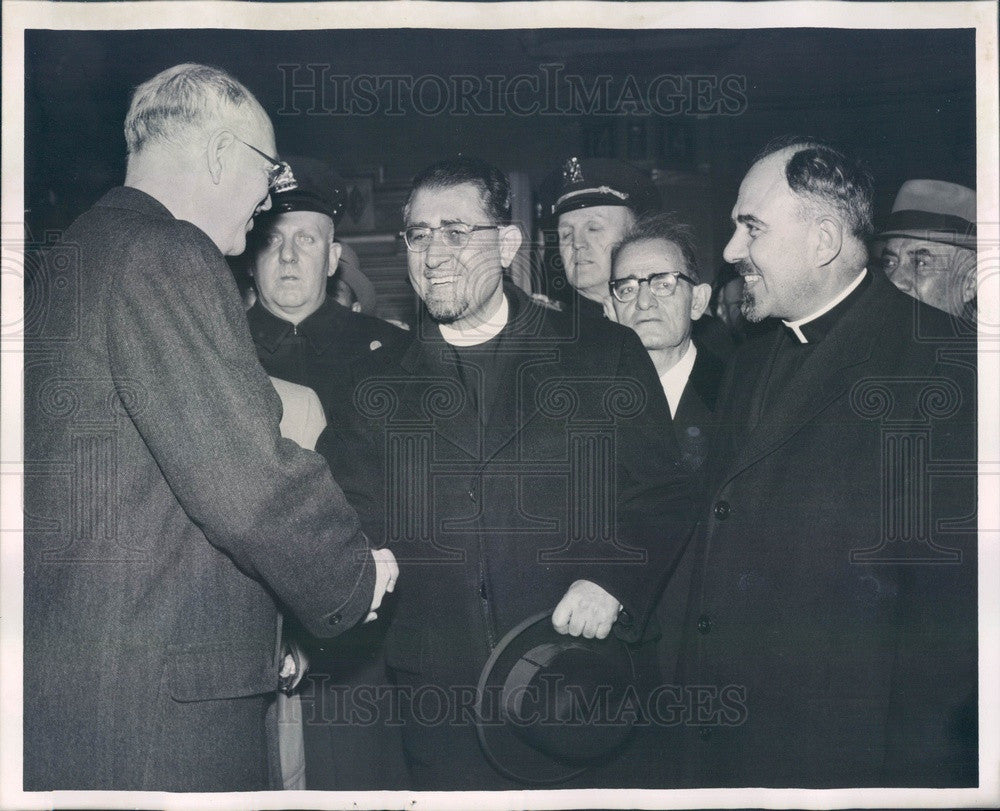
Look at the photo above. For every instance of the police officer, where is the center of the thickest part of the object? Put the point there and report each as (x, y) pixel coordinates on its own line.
(304, 336)
(301, 333)
(595, 201)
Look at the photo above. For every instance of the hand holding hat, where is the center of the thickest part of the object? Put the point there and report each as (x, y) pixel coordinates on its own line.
(586, 610)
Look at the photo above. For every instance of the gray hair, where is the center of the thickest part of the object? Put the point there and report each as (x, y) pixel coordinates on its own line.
(179, 98)
(666, 227)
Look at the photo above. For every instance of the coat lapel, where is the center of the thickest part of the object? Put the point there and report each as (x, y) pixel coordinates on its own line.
(825, 375)
(428, 367)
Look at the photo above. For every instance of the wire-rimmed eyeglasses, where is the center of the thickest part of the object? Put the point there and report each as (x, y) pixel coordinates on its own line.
(661, 285)
(454, 235)
(279, 176)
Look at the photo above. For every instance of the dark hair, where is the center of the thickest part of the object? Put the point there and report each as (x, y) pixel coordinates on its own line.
(822, 174)
(668, 228)
(492, 184)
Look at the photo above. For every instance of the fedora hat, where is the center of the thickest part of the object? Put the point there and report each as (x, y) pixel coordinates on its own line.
(933, 210)
(549, 705)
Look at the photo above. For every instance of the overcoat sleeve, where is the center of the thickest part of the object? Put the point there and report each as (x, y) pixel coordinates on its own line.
(655, 506)
(183, 366)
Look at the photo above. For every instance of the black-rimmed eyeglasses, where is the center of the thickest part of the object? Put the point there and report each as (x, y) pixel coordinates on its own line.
(279, 176)
(454, 235)
(661, 285)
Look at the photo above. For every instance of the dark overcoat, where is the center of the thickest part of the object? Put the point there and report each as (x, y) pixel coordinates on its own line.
(165, 517)
(831, 633)
(694, 415)
(568, 470)
(330, 351)
(693, 428)
(326, 351)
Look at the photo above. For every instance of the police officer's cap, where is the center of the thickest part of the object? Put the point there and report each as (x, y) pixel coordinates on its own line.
(588, 182)
(318, 188)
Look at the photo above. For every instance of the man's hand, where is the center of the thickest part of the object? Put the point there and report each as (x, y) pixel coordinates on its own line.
(386, 572)
(586, 610)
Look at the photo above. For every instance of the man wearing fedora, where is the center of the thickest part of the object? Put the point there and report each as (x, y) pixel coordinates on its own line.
(526, 476)
(302, 335)
(835, 581)
(930, 245)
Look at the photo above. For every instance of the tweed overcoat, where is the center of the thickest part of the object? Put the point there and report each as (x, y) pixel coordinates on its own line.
(166, 518)
(831, 630)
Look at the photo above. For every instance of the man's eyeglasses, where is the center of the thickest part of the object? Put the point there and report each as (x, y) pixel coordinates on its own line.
(279, 176)
(661, 285)
(454, 235)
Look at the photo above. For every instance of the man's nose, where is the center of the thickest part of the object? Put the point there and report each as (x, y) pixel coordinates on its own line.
(266, 205)
(437, 252)
(903, 281)
(736, 248)
(645, 299)
(287, 252)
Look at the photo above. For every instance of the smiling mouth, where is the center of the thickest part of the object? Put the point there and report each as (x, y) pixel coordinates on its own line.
(437, 281)
(751, 278)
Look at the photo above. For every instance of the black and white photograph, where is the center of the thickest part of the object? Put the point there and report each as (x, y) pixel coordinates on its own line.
(448, 405)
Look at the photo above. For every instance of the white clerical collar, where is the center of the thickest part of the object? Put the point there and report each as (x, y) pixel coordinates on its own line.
(676, 377)
(795, 326)
(481, 333)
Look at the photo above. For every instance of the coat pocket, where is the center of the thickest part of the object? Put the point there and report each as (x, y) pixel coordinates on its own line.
(406, 647)
(220, 672)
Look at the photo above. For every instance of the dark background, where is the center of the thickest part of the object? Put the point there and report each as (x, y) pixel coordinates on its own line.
(902, 100)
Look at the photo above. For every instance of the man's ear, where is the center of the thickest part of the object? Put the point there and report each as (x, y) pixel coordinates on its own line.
(965, 267)
(829, 239)
(217, 146)
(335, 250)
(510, 242)
(700, 294)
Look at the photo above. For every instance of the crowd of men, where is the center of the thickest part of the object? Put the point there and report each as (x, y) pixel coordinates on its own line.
(641, 541)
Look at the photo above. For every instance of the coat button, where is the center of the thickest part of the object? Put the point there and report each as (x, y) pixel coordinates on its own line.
(722, 510)
(704, 733)
(482, 589)
(334, 619)
(704, 624)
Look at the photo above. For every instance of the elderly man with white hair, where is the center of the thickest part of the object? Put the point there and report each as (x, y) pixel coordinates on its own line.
(170, 519)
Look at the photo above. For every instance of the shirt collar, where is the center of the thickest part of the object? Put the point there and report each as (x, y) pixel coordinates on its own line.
(814, 327)
(676, 377)
(481, 333)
